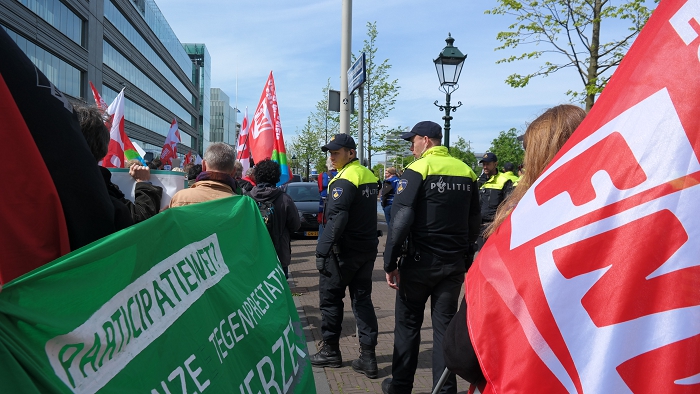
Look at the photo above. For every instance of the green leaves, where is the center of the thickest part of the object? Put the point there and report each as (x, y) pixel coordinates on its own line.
(571, 29)
(507, 148)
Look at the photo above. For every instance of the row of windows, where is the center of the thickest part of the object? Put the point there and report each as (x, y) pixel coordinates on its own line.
(59, 16)
(117, 62)
(160, 27)
(67, 78)
(141, 116)
(133, 36)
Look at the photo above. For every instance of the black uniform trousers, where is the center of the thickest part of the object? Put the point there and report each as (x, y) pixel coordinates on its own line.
(357, 276)
(441, 281)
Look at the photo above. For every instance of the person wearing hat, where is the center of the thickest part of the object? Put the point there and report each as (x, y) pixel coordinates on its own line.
(435, 208)
(492, 192)
(345, 255)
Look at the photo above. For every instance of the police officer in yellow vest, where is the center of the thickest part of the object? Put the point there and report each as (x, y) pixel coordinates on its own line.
(508, 169)
(436, 208)
(345, 255)
(492, 192)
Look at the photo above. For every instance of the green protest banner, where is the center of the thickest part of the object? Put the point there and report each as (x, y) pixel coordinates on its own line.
(192, 300)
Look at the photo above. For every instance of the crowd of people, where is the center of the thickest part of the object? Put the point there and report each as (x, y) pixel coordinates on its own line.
(439, 214)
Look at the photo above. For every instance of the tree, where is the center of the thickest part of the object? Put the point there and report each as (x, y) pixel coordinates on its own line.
(323, 121)
(572, 30)
(507, 148)
(462, 150)
(305, 147)
(379, 94)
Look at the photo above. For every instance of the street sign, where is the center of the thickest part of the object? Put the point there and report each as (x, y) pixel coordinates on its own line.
(357, 74)
(334, 101)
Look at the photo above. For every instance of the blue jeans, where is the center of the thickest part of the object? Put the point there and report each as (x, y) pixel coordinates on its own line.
(387, 214)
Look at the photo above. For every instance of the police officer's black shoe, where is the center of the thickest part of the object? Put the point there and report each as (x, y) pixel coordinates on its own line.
(386, 386)
(327, 356)
(367, 363)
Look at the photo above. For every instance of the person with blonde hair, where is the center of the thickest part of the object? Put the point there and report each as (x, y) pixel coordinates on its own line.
(542, 140)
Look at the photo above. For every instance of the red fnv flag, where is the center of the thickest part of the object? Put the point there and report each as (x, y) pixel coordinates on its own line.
(592, 285)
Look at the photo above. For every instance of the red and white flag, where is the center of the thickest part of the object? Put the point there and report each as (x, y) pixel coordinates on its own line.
(592, 285)
(243, 148)
(170, 147)
(266, 139)
(188, 158)
(98, 99)
(115, 151)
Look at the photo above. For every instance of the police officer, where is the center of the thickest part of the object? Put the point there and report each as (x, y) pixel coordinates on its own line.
(345, 256)
(492, 192)
(436, 208)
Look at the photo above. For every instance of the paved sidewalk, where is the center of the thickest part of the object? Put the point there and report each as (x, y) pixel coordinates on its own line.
(304, 285)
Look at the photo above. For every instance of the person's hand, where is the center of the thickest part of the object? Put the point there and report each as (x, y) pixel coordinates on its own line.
(321, 265)
(140, 173)
(392, 279)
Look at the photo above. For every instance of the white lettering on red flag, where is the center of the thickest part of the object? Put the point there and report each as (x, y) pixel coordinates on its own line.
(593, 284)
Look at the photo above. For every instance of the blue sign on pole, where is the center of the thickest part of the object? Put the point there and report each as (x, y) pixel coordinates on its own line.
(357, 74)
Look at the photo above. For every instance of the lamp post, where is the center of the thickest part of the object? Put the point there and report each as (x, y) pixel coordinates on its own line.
(449, 65)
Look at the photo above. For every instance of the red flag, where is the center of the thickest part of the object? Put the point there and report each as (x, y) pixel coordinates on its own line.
(120, 147)
(98, 99)
(243, 148)
(115, 151)
(266, 139)
(188, 158)
(170, 147)
(54, 207)
(592, 285)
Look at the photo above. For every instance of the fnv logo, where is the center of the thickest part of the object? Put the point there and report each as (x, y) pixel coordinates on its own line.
(619, 259)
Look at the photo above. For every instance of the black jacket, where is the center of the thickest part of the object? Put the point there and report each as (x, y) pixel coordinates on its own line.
(491, 195)
(351, 211)
(126, 213)
(286, 218)
(437, 204)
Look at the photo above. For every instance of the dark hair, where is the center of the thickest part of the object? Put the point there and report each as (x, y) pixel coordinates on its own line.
(267, 171)
(194, 171)
(508, 166)
(92, 125)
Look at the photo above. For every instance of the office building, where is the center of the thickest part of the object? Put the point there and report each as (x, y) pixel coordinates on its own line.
(114, 44)
(223, 118)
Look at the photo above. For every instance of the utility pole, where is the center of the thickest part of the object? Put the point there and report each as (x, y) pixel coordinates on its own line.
(345, 47)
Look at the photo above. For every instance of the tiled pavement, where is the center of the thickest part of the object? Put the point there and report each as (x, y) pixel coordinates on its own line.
(304, 285)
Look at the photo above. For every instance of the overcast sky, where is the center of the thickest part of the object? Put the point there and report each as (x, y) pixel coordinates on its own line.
(300, 42)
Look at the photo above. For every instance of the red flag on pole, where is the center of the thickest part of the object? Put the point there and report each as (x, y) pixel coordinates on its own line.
(115, 151)
(266, 139)
(188, 158)
(243, 148)
(592, 285)
(98, 99)
(170, 147)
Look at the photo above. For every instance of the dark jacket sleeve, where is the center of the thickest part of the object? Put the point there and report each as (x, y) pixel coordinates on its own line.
(337, 210)
(402, 217)
(458, 350)
(146, 201)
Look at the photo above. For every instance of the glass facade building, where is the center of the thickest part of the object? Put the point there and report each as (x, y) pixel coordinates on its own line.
(223, 118)
(119, 44)
(201, 75)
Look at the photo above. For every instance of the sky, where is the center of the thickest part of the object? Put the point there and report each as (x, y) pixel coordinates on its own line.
(299, 41)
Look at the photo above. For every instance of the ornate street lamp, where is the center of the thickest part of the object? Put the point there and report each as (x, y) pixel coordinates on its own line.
(449, 65)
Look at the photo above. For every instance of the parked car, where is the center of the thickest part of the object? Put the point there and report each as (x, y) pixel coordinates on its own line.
(306, 198)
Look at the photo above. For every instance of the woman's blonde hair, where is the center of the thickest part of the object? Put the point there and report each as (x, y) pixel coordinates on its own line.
(543, 139)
